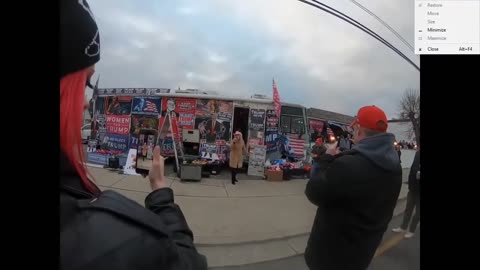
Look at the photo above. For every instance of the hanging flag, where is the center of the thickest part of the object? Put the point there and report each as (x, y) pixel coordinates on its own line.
(276, 100)
(95, 89)
(297, 145)
(91, 103)
(91, 108)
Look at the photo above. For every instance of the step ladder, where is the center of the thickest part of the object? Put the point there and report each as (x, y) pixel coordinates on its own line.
(171, 117)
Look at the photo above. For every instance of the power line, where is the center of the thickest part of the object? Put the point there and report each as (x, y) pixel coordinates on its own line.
(384, 24)
(361, 27)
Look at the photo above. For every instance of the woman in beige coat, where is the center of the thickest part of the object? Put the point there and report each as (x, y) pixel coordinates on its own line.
(237, 150)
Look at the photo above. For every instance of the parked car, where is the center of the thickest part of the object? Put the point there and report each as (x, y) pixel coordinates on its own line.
(86, 131)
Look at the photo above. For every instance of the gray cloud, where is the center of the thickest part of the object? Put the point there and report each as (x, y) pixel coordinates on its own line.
(236, 47)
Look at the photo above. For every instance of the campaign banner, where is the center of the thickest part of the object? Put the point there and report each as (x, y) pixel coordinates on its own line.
(92, 146)
(212, 130)
(222, 149)
(222, 130)
(257, 119)
(116, 142)
(146, 105)
(118, 105)
(132, 91)
(316, 125)
(118, 124)
(210, 148)
(169, 106)
(271, 139)
(133, 142)
(185, 107)
(258, 136)
(225, 111)
(97, 158)
(207, 107)
(271, 131)
(256, 160)
(166, 147)
(100, 126)
(316, 128)
(271, 121)
(186, 120)
(208, 151)
(102, 158)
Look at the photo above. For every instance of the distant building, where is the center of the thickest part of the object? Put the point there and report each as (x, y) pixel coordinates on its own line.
(333, 117)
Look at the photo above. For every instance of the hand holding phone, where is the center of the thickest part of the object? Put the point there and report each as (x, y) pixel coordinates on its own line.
(157, 172)
(146, 143)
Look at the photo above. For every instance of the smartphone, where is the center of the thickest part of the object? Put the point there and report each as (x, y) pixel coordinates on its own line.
(147, 140)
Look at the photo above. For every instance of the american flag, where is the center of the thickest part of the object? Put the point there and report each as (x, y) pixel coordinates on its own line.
(95, 89)
(276, 99)
(151, 107)
(297, 145)
(93, 101)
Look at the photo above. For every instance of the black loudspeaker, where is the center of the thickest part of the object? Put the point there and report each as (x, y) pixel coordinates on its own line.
(114, 162)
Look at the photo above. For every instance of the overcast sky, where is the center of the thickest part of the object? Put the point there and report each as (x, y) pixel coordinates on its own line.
(236, 47)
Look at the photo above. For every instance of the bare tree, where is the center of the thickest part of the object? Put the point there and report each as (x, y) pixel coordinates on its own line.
(410, 109)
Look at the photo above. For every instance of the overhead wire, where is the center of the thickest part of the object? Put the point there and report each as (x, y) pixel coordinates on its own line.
(360, 26)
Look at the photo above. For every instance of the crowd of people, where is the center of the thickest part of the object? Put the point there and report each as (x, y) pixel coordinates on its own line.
(406, 145)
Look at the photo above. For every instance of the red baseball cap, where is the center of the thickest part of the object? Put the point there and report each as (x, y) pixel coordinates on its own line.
(371, 117)
(319, 140)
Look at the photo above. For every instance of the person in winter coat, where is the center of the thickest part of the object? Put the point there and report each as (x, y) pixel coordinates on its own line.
(237, 151)
(399, 151)
(356, 192)
(317, 151)
(413, 199)
(105, 230)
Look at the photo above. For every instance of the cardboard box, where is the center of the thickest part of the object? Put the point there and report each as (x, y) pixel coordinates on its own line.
(275, 175)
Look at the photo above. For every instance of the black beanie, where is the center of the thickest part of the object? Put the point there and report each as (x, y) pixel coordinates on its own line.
(79, 37)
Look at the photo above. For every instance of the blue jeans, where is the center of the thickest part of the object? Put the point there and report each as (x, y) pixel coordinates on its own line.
(315, 168)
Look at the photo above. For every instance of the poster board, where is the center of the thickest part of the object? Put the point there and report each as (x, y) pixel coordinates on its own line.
(129, 168)
(92, 146)
(271, 131)
(256, 161)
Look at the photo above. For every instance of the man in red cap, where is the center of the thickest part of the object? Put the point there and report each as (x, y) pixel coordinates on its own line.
(356, 192)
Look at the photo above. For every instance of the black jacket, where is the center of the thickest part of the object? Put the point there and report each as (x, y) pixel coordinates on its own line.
(318, 150)
(110, 231)
(413, 182)
(356, 193)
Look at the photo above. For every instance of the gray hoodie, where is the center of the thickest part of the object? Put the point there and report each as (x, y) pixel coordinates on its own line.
(380, 150)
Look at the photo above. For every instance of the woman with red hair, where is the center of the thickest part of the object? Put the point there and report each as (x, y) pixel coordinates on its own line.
(105, 230)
